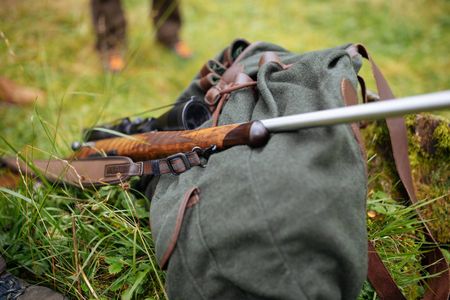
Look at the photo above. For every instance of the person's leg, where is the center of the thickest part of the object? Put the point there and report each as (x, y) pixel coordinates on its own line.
(167, 21)
(110, 28)
(109, 24)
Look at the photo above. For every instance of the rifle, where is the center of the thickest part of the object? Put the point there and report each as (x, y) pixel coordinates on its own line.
(177, 151)
(154, 145)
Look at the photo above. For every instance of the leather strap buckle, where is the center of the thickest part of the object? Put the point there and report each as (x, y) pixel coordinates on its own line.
(171, 161)
(204, 154)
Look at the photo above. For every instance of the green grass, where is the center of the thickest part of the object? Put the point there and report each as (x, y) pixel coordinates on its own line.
(97, 244)
(398, 237)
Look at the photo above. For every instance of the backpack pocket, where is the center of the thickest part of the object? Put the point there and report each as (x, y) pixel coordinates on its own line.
(191, 197)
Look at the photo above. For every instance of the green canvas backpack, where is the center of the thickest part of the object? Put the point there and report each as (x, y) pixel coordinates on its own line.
(286, 221)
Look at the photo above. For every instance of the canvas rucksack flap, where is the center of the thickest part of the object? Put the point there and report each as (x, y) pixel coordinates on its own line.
(285, 221)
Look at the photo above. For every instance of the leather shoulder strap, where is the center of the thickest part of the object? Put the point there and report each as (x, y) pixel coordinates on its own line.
(438, 286)
(380, 278)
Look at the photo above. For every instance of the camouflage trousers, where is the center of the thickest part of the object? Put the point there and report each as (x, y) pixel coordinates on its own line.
(110, 22)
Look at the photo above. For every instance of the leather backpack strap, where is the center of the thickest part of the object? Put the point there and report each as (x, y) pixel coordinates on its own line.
(438, 286)
(380, 278)
(378, 274)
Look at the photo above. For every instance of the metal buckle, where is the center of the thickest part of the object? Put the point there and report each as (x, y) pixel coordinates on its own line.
(185, 160)
(204, 154)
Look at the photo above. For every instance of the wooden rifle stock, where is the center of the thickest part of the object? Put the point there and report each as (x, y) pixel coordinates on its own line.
(160, 144)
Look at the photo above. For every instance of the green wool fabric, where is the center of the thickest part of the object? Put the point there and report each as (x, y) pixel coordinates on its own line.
(285, 221)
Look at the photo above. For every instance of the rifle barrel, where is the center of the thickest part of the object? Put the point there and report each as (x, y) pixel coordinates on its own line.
(370, 111)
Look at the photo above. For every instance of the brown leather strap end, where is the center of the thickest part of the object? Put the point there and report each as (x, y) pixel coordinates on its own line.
(380, 278)
(271, 57)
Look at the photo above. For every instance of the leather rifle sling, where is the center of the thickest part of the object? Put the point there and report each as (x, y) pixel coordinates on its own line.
(105, 170)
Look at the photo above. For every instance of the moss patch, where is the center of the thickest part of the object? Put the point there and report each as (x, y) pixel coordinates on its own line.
(429, 149)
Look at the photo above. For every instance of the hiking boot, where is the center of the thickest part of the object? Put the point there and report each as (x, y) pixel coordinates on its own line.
(13, 288)
(182, 50)
(112, 60)
(14, 93)
(167, 34)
